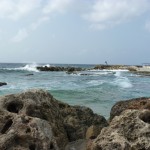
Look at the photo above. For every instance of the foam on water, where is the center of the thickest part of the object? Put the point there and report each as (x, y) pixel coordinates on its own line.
(29, 67)
(121, 81)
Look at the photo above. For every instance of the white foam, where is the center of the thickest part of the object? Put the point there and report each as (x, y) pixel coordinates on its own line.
(29, 67)
(95, 82)
(121, 81)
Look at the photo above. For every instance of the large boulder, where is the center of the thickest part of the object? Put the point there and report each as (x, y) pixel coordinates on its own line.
(34, 120)
(129, 131)
(31, 121)
(137, 103)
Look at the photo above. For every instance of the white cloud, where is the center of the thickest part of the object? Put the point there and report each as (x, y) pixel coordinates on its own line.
(147, 26)
(21, 35)
(109, 13)
(15, 9)
(24, 7)
(40, 21)
(54, 6)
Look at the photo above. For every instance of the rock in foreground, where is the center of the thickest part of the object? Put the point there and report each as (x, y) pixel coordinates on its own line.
(137, 103)
(129, 131)
(34, 120)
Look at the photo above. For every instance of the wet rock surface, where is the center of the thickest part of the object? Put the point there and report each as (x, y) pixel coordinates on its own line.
(3, 83)
(129, 131)
(137, 103)
(34, 120)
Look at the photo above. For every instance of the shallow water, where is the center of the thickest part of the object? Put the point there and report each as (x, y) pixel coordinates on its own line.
(99, 90)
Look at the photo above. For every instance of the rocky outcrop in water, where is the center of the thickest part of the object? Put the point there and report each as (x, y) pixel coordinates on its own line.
(137, 103)
(34, 120)
(129, 131)
(110, 67)
(3, 83)
(58, 68)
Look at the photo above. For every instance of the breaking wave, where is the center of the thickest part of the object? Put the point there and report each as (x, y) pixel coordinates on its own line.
(28, 67)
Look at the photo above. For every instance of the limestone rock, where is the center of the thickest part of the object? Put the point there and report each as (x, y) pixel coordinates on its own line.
(34, 120)
(31, 121)
(129, 131)
(138, 103)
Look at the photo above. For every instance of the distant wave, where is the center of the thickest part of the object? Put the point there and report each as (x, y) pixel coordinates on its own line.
(28, 67)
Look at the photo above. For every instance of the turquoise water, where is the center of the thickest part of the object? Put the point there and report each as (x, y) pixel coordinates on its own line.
(99, 90)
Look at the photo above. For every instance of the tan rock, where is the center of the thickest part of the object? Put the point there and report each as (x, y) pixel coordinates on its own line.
(93, 131)
(129, 131)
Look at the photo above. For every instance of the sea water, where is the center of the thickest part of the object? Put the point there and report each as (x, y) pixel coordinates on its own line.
(97, 89)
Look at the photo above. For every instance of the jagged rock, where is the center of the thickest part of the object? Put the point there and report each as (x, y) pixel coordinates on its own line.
(129, 131)
(77, 119)
(137, 103)
(34, 120)
(58, 68)
(3, 83)
(31, 121)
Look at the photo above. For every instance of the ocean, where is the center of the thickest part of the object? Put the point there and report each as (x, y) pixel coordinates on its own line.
(96, 89)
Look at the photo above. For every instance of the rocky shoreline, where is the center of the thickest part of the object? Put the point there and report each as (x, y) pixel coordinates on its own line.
(35, 120)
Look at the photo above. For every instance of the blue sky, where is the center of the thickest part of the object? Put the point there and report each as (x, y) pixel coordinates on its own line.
(75, 31)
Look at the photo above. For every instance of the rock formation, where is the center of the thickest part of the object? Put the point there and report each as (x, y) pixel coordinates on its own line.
(34, 120)
(58, 68)
(129, 131)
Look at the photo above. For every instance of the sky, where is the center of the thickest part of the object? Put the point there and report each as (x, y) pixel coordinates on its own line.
(75, 31)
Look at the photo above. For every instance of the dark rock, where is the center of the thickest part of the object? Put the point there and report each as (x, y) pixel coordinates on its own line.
(138, 103)
(77, 145)
(2, 83)
(57, 68)
(30, 74)
(78, 119)
(129, 131)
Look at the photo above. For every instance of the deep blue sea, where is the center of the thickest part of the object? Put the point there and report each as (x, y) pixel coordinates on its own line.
(99, 90)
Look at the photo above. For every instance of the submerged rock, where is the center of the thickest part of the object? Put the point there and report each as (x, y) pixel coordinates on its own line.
(3, 83)
(34, 120)
(129, 131)
(137, 103)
